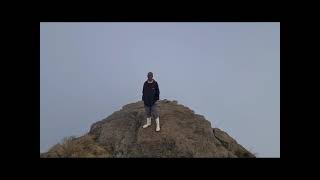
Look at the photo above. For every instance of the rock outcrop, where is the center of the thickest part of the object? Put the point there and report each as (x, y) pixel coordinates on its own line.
(183, 134)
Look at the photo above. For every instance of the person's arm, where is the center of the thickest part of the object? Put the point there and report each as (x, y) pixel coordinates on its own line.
(157, 91)
(143, 92)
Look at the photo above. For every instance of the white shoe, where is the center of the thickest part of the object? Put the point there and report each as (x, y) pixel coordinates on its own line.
(148, 123)
(158, 124)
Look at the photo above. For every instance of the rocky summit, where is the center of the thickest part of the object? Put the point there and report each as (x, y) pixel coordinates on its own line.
(183, 134)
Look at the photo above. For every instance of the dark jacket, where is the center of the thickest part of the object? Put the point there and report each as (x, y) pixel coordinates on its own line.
(150, 93)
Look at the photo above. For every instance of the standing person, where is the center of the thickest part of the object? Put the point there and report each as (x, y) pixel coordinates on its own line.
(150, 95)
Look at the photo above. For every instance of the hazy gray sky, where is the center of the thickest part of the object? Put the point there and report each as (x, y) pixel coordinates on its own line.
(228, 72)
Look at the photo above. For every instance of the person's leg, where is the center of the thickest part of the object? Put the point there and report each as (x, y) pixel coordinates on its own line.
(154, 111)
(147, 111)
(148, 114)
(156, 116)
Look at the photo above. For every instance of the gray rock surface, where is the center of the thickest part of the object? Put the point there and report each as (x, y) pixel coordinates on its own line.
(183, 134)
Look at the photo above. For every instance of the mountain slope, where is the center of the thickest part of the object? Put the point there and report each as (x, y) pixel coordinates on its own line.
(183, 134)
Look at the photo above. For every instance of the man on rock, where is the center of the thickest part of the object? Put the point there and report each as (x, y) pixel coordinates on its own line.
(150, 95)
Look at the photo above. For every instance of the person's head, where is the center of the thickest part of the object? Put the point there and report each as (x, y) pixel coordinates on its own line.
(150, 76)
